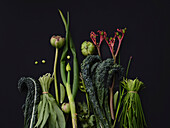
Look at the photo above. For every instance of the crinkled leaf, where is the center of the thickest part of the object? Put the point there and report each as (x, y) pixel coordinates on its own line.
(32, 100)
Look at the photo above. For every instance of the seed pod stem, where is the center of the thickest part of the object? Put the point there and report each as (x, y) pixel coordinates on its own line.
(55, 76)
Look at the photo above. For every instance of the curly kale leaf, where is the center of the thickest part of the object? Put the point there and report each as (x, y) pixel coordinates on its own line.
(32, 100)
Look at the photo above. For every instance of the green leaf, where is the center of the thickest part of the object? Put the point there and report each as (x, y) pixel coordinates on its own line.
(41, 111)
(46, 115)
(115, 98)
(52, 123)
(60, 115)
(62, 93)
(64, 20)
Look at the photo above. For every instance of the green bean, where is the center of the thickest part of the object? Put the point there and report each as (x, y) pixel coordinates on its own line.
(75, 69)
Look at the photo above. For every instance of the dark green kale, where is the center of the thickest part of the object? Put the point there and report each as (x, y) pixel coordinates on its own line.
(98, 76)
(87, 77)
(32, 100)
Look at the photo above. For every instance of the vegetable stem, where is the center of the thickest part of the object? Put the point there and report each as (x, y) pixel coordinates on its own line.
(111, 89)
(98, 50)
(55, 75)
(118, 107)
(114, 57)
(127, 70)
(71, 102)
(111, 99)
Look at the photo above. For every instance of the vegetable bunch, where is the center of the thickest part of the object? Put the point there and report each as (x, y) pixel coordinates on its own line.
(132, 115)
(49, 114)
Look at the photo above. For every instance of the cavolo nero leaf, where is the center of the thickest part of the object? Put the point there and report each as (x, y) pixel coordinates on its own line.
(32, 100)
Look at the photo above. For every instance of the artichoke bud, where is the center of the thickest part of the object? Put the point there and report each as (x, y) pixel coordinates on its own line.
(57, 41)
(65, 107)
(87, 48)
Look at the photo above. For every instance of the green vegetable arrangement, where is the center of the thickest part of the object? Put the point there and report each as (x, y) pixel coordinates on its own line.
(112, 100)
(49, 114)
(99, 78)
(132, 108)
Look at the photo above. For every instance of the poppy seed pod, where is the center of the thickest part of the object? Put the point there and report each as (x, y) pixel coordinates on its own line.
(57, 41)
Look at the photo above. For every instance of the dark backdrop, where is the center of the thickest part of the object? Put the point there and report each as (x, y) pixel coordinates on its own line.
(26, 27)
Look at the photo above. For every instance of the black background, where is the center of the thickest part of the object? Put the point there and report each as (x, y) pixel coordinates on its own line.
(26, 27)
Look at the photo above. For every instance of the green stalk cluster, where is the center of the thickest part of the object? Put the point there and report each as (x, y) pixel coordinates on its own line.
(132, 115)
(71, 98)
(69, 42)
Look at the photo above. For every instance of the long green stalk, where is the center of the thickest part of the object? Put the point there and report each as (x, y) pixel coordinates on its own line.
(121, 94)
(63, 57)
(55, 76)
(118, 107)
(71, 100)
